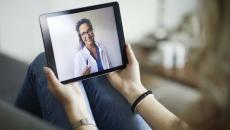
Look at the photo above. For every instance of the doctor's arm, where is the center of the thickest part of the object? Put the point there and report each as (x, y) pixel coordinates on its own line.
(128, 83)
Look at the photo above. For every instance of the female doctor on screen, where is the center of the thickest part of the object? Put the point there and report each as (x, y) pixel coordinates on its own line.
(92, 57)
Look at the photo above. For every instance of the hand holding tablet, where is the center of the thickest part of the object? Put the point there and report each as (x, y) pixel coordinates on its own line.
(85, 42)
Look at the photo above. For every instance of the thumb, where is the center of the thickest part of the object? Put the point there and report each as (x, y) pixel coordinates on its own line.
(130, 54)
(52, 79)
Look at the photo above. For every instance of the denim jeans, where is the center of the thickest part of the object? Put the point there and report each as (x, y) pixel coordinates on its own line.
(110, 109)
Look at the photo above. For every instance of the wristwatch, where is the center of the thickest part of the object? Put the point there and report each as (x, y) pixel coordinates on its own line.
(85, 121)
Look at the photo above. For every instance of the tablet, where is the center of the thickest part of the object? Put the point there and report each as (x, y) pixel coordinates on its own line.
(84, 42)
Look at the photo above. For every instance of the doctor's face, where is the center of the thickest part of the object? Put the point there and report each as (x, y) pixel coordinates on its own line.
(86, 33)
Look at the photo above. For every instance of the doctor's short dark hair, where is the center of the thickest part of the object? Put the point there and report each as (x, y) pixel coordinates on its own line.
(79, 23)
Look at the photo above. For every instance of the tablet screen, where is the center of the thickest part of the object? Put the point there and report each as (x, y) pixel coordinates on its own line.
(82, 43)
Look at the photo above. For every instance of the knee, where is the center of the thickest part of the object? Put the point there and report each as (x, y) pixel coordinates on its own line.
(38, 63)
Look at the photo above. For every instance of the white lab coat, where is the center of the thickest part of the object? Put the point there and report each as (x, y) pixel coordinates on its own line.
(83, 57)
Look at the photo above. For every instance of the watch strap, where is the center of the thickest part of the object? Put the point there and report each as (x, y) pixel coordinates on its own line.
(85, 121)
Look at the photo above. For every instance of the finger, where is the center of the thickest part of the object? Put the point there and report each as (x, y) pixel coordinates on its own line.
(51, 77)
(84, 71)
(87, 68)
(130, 54)
(75, 84)
(112, 76)
(87, 72)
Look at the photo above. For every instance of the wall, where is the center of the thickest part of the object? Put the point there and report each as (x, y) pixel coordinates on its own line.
(20, 31)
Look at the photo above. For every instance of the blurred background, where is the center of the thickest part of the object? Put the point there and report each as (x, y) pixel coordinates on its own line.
(163, 34)
(20, 35)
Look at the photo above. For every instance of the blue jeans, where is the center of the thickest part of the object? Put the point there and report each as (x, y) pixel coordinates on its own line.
(110, 109)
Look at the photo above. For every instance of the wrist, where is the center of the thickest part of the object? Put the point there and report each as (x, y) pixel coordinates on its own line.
(86, 127)
(133, 92)
(139, 100)
(75, 113)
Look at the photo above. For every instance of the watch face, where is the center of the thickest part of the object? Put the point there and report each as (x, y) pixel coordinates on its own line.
(86, 121)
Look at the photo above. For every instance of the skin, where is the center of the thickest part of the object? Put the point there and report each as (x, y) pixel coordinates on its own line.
(86, 71)
(71, 97)
(128, 83)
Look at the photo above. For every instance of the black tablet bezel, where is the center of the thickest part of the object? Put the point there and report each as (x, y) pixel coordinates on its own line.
(48, 44)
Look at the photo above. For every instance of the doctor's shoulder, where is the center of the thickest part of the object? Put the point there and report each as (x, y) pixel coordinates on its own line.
(101, 45)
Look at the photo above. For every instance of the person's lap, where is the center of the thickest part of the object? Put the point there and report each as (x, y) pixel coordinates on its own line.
(111, 111)
(36, 98)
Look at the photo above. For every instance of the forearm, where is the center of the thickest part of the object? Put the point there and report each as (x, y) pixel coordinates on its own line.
(155, 114)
